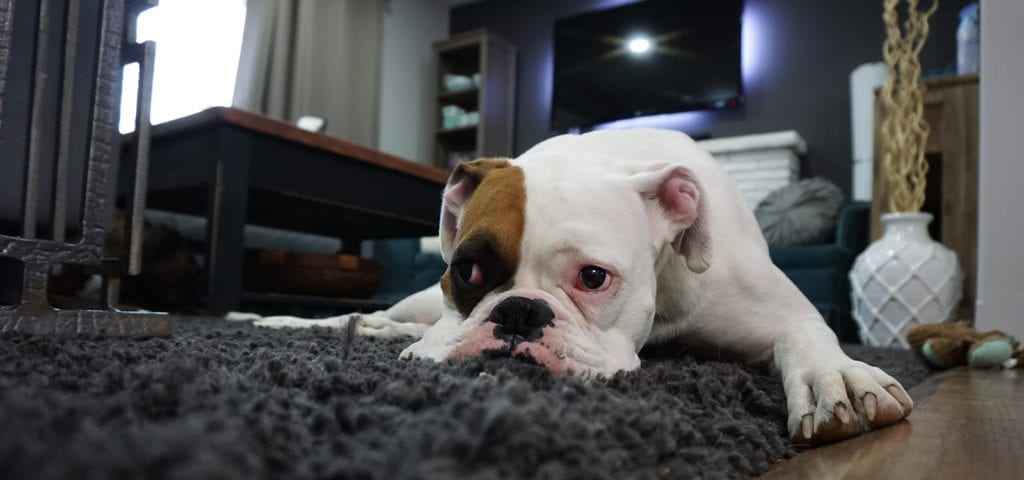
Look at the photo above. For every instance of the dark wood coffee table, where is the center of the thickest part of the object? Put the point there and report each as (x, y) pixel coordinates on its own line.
(234, 167)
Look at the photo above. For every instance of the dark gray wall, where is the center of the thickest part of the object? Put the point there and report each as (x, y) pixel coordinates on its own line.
(800, 56)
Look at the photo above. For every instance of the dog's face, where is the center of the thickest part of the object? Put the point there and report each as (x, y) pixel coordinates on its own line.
(558, 266)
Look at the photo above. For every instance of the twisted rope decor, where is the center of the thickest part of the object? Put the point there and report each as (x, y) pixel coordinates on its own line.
(904, 130)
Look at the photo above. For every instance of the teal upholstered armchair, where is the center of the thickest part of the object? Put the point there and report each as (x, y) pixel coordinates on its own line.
(820, 271)
(406, 269)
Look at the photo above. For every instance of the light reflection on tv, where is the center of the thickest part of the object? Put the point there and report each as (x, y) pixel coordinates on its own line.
(646, 58)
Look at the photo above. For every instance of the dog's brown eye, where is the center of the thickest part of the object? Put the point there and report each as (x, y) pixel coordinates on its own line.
(592, 278)
(469, 272)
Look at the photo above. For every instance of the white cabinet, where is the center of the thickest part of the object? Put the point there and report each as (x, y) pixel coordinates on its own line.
(759, 163)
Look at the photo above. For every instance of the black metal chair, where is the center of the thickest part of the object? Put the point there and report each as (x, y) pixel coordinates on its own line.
(60, 85)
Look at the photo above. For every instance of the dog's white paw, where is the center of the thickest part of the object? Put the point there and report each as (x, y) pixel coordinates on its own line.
(383, 327)
(842, 400)
(287, 321)
(369, 325)
(242, 317)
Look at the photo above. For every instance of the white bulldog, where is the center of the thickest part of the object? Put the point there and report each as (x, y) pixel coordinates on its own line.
(589, 247)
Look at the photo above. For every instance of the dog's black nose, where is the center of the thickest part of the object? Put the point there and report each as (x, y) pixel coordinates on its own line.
(521, 319)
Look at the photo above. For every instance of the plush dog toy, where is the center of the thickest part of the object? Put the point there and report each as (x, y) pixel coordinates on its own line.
(947, 345)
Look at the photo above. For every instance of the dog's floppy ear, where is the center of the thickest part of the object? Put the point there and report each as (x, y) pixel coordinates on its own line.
(677, 207)
(461, 185)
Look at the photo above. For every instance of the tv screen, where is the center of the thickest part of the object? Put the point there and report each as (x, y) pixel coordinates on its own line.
(645, 58)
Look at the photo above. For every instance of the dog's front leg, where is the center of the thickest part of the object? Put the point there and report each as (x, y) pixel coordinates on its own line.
(831, 396)
(409, 317)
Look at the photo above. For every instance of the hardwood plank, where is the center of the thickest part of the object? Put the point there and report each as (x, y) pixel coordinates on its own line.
(966, 424)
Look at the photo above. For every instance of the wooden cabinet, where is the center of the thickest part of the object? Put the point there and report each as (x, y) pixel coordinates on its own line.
(951, 194)
(474, 102)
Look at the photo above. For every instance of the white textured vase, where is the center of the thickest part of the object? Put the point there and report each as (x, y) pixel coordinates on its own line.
(903, 279)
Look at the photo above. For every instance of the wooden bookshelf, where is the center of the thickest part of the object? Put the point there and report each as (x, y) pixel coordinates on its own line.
(491, 96)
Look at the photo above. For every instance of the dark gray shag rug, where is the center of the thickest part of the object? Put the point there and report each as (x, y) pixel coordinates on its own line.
(227, 400)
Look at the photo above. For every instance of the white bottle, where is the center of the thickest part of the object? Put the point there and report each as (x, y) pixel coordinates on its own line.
(967, 39)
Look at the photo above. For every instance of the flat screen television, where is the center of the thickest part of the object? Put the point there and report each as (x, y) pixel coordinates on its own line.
(646, 58)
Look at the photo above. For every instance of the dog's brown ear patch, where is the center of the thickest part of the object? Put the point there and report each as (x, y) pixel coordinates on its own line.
(485, 199)
(476, 170)
(462, 184)
(498, 208)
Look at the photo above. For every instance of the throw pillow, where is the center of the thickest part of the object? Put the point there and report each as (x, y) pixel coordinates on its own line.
(800, 213)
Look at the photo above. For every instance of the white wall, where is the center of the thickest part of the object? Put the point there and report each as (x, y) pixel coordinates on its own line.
(1000, 303)
(410, 27)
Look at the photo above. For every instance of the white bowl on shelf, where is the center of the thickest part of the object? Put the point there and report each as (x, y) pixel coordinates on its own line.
(457, 83)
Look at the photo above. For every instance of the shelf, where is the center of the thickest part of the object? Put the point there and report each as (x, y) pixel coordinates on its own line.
(457, 95)
(462, 59)
(467, 99)
(494, 59)
(457, 131)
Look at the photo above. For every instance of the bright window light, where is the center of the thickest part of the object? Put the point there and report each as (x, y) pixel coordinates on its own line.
(639, 45)
(197, 47)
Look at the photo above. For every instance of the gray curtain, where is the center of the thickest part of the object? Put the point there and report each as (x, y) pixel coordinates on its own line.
(314, 57)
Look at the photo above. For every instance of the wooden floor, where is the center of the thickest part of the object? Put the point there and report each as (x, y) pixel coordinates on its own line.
(966, 424)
